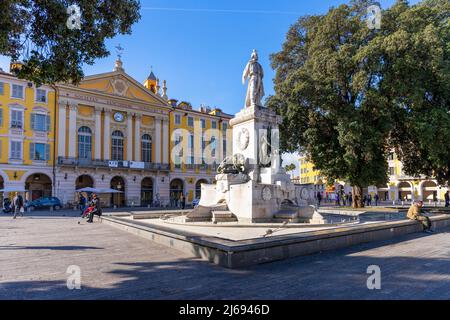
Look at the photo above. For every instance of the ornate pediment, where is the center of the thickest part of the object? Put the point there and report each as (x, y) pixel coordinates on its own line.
(122, 85)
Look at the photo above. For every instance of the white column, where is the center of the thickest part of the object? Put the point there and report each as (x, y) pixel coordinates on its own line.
(219, 150)
(129, 136)
(165, 142)
(72, 130)
(137, 138)
(107, 136)
(62, 130)
(157, 140)
(98, 133)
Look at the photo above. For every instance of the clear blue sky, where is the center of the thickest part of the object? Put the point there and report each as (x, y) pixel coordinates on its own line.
(201, 47)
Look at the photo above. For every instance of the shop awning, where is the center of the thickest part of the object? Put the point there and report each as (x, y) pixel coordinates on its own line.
(94, 190)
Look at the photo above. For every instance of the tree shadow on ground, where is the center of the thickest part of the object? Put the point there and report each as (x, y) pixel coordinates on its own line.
(62, 248)
(338, 274)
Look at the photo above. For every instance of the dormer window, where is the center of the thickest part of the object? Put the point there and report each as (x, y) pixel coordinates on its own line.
(41, 95)
(17, 91)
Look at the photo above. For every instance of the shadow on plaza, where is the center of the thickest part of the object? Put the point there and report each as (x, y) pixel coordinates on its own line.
(61, 248)
(339, 274)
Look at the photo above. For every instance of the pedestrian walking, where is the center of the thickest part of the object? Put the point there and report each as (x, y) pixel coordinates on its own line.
(82, 203)
(447, 199)
(319, 198)
(183, 201)
(18, 205)
(376, 198)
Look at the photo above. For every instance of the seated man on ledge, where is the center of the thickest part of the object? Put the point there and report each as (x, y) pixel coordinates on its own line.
(414, 213)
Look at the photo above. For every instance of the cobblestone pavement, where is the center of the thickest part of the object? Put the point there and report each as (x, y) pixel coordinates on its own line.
(35, 252)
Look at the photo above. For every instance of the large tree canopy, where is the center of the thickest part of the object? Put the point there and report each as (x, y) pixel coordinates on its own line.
(349, 93)
(36, 32)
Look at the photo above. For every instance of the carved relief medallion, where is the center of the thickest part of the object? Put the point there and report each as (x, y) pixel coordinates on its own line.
(266, 194)
(243, 139)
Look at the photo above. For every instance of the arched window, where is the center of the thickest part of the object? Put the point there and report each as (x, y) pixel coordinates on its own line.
(84, 143)
(117, 145)
(146, 148)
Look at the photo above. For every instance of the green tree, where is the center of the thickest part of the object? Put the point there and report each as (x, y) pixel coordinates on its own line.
(341, 88)
(36, 32)
(422, 132)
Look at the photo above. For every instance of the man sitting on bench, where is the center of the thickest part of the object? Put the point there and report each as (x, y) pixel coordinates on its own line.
(414, 213)
(97, 208)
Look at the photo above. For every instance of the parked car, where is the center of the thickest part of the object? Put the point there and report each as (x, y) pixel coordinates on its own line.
(195, 202)
(44, 202)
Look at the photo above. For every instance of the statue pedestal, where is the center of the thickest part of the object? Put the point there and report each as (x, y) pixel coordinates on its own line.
(254, 128)
(263, 189)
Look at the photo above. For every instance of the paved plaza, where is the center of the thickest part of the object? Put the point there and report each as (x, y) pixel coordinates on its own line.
(37, 250)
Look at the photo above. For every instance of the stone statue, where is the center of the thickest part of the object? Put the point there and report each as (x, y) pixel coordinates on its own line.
(254, 72)
(264, 151)
(233, 164)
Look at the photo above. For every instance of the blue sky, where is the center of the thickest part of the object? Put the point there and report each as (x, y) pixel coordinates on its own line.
(201, 47)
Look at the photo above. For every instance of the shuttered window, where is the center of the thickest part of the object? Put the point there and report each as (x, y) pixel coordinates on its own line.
(40, 122)
(41, 95)
(16, 150)
(17, 91)
(17, 119)
(40, 151)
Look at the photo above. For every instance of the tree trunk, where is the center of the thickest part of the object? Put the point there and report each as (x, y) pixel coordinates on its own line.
(357, 201)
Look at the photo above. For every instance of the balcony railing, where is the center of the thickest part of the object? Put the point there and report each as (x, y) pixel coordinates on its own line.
(112, 164)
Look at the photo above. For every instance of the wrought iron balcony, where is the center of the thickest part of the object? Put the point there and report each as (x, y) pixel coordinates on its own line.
(112, 164)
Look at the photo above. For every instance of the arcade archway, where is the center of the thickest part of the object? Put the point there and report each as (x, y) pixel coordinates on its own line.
(198, 188)
(176, 190)
(146, 191)
(429, 191)
(404, 191)
(118, 199)
(84, 181)
(38, 185)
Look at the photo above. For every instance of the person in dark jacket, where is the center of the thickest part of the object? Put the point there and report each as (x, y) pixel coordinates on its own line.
(319, 198)
(18, 205)
(97, 208)
(447, 199)
(183, 202)
(376, 198)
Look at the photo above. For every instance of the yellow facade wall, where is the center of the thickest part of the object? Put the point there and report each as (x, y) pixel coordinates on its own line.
(29, 103)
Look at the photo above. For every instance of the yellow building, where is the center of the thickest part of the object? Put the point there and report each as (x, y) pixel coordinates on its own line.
(200, 139)
(112, 133)
(27, 133)
(400, 187)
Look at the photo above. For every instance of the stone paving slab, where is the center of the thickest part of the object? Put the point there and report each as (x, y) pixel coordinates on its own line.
(36, 251)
